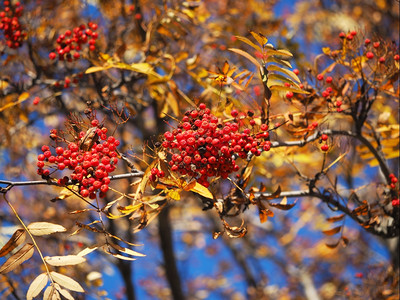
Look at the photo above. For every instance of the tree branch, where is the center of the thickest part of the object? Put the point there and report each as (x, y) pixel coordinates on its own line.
(11, 184)
(362, 139)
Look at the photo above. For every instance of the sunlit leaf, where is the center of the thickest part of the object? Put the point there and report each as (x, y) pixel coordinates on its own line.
(336, 218)
(64, 260)
(262, 40)
(17, 239)
(45, 228)
(202, 190)
(66, 282)
(283, 204)
(248, 42)
(246, 55)
(17, 258)
(37, 285)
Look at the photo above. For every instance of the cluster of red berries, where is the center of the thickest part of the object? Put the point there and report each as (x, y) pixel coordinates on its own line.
(325, 146)
(393, 182)
(66, 83)
(91, 158)
(10, 25)
(350, 36)
(70, 43)
(203, 146)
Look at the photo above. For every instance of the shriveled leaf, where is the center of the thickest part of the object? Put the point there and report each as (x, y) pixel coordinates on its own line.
(283, 204)
(45, 228)
(247, 55)
(17, 258)
(64, 260)
(37, 285)
(125, 250)
(119, 256)
(274, 195)
(332, 231)
(66, 294)
(248, 42)
(264, 214)
(217, 235)
(51, 293)
(202, 190)
(66, 282)
(336, 218)
(17, 239)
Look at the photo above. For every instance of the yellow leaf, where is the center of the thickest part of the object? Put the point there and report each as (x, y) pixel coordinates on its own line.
(23, 97)
(262, 40)
(174, 194)
(202, 190)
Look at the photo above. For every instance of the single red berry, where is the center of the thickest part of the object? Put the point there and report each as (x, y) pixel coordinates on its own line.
(349, 37)
(320, 77)
(396, 57)
(202, 106)
(138, 16)
(376, 44)
(59, 150)
(338, 103)
(234, 113)
(353, 32)
(324, 137)
(382, 59)
(342, 35)
(393, 180)
(296, 71)
(367, 41)
(36, 101)
(289, 95)
(324, 147)
(328, 79)
(52, 55)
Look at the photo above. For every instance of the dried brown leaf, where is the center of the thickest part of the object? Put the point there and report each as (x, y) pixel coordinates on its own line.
(17, 258)
(17, 239)
(332, 231)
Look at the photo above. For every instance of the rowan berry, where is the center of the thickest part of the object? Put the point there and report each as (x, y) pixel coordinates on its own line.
(324, 147)
(328, 79)
(320, 77)
(324, 137)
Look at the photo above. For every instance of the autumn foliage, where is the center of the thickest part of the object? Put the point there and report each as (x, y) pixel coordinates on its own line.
(189, 130)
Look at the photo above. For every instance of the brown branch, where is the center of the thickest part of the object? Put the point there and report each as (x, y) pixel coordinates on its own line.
(382, 163)
(166, 244)
(11, 184)
(326, 197)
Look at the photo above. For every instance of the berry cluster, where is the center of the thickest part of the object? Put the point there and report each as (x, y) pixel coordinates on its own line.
(393, 183)
(10, 25)
(203, 146)
(92, 158)
(325, 146)
(70, 43)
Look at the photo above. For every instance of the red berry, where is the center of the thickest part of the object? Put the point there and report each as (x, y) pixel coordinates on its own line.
(36, 101)
(320, 77)
(52, 55)
(289, 95)
(202, 106)
(296, 71)
(382, 59)
(353, 32)
(342, 35)
(376, 44)
(324, 147)
(328, 79)
(396, 57)
(367, 41)
(324, 137)
(234, 113)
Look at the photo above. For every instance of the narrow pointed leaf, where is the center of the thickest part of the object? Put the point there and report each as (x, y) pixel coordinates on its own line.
(64, 260)
(17, 239)
(45, 228)
(247, 55)
(336, 218)
(51, 293)
(66, 294)
(273, 59)
(283, 88)
(287, 72)
(17, 258)
(202, 190)
(248, 42)
(88, 250)
(37, 285)
(280, 52)
(125, 250)
(66, 282)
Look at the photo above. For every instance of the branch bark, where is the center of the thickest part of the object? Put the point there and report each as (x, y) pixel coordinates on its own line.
(171, 270)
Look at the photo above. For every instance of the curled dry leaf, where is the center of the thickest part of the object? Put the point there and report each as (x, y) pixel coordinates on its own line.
(332, 231)
(125, 250)
(51, 293)
(37, 285)
(45, 228)
(17, 258)
(64, 260)
(17, 239)
(66, 282)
